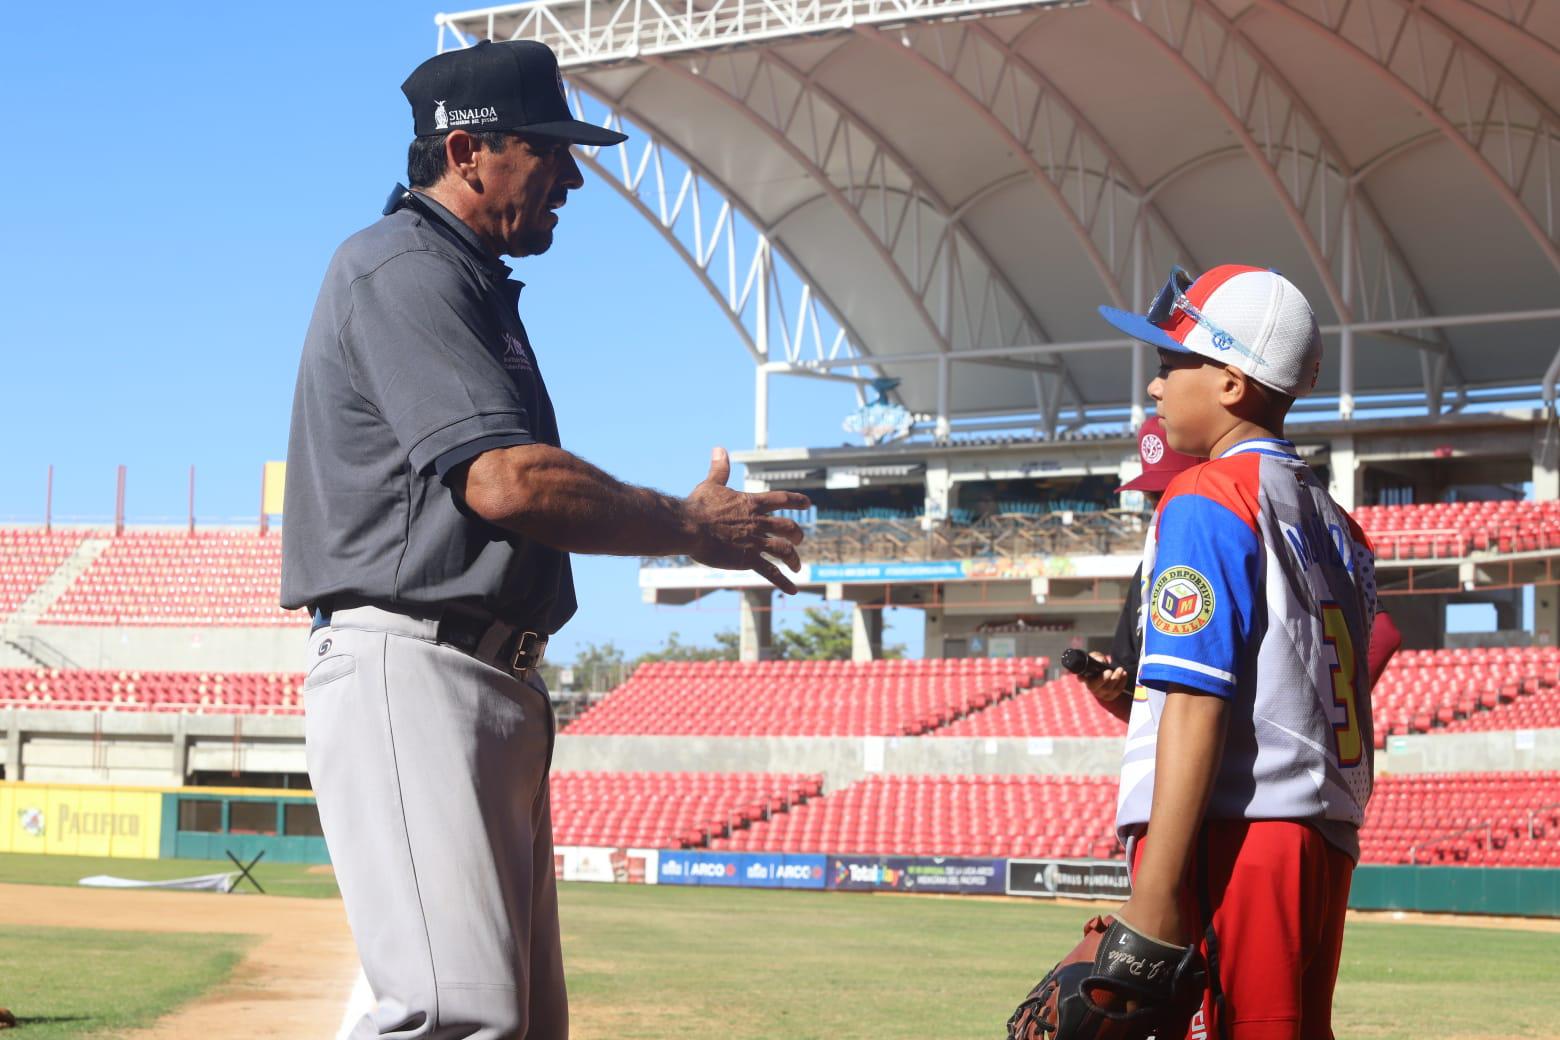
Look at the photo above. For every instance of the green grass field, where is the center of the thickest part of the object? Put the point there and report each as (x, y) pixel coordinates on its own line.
(659, 963)
(682, 963)
(281, 879)
(90, 983)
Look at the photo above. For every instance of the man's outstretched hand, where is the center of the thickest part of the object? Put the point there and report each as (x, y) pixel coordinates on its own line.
(734, 530)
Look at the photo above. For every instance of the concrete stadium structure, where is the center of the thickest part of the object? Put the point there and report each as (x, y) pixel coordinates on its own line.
(938, 192)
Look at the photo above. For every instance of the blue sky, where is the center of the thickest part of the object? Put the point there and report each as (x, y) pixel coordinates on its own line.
(180, 177)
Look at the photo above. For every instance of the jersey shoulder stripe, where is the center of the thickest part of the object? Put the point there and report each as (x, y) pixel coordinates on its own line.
(1232, 482)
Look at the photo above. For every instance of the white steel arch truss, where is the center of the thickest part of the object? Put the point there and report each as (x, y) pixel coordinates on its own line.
(1362, 269)
(1061, 150)
(1364, 273)
(1514, 18)
(958, 294)
(742, 268)
(599, 31)
(1509, 133)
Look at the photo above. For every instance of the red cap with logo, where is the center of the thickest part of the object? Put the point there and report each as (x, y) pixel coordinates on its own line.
(1161, 462)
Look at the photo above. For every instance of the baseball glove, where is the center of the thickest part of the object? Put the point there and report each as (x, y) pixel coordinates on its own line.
(1117, 984)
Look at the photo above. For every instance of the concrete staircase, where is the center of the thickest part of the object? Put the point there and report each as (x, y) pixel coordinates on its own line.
(20, 647)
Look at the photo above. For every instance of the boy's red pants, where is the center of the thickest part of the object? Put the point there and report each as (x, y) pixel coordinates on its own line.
(1278, 892)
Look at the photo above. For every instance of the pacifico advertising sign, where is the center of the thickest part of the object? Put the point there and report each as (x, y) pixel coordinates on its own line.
(77, 820)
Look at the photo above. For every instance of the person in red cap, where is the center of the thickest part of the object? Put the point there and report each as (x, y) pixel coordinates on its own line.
(1161, 464)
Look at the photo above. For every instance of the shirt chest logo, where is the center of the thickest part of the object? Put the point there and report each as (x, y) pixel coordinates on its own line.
(1182, 602)
(515, 358)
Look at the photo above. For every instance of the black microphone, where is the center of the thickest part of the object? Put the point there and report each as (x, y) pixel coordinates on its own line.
(1081, 664)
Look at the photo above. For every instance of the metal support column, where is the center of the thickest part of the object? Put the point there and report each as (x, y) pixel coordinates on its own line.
(1135, 392)
(1346, 319)
(756, 625)
(1347, 482)
(1546, 461)
(760, 407)
(13, 747)
(866, 632)
(944, 397)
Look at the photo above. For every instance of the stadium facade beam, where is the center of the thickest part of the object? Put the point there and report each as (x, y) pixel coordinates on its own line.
(1456, 86)
(1314, 185)
(1387, 330)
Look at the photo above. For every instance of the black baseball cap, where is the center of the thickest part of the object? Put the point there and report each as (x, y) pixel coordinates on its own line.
(508, 85)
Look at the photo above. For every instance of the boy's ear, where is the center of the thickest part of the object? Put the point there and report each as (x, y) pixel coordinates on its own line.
(1234, 387)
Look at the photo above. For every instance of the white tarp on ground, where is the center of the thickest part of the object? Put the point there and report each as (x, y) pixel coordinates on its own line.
(203, 883)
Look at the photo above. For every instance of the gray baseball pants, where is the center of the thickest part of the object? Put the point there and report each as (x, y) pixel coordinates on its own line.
(430, 771)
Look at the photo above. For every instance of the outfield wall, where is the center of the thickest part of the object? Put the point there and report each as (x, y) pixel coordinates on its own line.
(159, 822)
(211, 823)
(78, 820)
(1519, 892)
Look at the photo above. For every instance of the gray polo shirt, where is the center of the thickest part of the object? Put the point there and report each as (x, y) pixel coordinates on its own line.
(415, 361)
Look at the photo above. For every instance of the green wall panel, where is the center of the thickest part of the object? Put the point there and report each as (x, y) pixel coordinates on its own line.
(1513, 891)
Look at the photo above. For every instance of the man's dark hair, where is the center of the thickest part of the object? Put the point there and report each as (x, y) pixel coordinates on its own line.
(425, 158)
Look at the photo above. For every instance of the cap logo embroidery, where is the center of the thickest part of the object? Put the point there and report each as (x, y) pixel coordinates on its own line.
(441, 121)
(468, 116)
(561, 92)
(1153, 449)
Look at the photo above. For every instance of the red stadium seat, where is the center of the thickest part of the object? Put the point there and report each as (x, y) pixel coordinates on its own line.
(176, 578)
(805, 698)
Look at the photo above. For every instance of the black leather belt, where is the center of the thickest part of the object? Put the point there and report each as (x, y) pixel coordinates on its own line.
(498, 643)
(508, 647)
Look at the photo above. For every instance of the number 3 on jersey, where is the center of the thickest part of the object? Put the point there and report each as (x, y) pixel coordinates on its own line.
(1346, 734)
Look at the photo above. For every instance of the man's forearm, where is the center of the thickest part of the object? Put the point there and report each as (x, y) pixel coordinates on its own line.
(564, 502)
(1190, 745)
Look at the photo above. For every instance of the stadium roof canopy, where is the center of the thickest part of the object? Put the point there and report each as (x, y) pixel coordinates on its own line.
(941, 191)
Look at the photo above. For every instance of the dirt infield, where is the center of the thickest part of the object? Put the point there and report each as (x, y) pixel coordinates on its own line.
(293, 983)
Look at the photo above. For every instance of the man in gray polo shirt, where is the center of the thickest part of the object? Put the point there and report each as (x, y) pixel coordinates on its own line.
(430, 514)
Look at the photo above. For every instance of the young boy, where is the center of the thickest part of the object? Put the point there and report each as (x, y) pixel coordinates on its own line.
(1247, 763)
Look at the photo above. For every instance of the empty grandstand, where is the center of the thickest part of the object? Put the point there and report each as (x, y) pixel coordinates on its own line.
(172, 578)
(804, 698)
(668, 810)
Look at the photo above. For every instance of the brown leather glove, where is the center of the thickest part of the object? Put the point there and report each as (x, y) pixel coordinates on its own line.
(1117, 984)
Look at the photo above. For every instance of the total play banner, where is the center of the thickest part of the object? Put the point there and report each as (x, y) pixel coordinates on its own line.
(742, 869)
(916, 874)
(1069, 878)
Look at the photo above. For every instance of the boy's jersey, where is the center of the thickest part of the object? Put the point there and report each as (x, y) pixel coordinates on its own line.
(1259, 588)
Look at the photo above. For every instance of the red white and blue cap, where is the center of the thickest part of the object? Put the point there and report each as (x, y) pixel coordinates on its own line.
(1253, 319)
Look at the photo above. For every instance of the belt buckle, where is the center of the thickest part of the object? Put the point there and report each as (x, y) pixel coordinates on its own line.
(529, 649)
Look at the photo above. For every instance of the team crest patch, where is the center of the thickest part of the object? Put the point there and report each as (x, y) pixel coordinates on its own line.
(1182, 602)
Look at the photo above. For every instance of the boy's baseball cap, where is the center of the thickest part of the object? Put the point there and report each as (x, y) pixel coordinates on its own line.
(1249, 318)
(1161, 463)
(509, 85)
